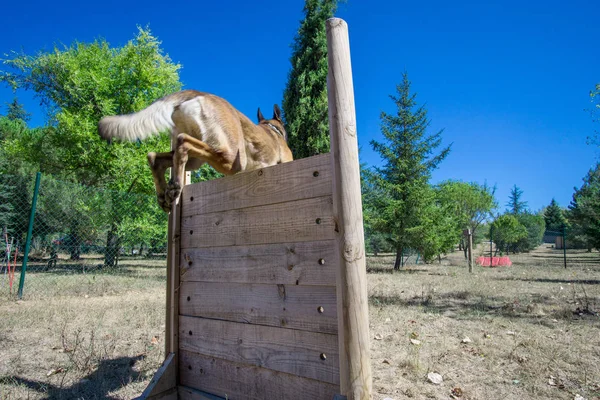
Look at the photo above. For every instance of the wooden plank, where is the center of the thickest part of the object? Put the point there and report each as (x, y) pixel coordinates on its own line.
(295, 221)
(239, 381)
(308, 354)
(170, 394)
(356, 379)
(303, 263)
(187, 393)
(163, 380)
(308, 308)
(296, 180)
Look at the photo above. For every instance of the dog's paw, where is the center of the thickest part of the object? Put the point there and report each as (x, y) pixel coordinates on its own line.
(163, 203)
(173, 192)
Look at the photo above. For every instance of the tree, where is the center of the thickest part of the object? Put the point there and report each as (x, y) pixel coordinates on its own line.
(554, 217)
(78, 85)
(305, 111)
(507, 232)
(15, 111)
(585, 208)
(402, 184)
(469, 204)
(515, 205)
(535, 227)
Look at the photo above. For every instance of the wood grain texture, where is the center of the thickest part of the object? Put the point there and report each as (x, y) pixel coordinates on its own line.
(292, 351)
(170, 394)
(163, 380)
(296, 180)
(303, 263)
(295, 221)
(308, 308)
(355, 374)
(187, 393)
(240, 381)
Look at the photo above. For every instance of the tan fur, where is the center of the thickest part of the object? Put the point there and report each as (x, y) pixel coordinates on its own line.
(206, 129)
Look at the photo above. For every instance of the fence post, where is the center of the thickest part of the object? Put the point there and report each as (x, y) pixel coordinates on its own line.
(353, 308)
(564, 243)
(491, 241)
(36, 191)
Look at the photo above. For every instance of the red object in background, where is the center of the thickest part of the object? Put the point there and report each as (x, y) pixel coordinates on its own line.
(494, 262)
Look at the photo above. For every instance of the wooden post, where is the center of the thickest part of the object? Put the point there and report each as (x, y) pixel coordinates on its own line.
(353, 311)
(469, 236)
(173, 235)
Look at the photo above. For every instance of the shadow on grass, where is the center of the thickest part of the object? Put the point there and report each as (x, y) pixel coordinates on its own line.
(108, 377)
(390, 270)
(82, 268)
(548, 280)
(464, 305)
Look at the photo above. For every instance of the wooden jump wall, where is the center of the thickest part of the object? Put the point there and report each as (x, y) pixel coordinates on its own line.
(266, 285)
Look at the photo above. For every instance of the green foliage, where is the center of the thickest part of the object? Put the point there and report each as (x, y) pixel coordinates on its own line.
(535, 226)
(467, 204)
(205, 173)
(554, 217)
(436, 232)
(584, 210)
(304, 104)
(507, 231)
(515, 205)
(402, 198)
(15, 111)
(81, 83)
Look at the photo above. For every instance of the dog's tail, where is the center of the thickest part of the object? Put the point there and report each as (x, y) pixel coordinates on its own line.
(152, 120)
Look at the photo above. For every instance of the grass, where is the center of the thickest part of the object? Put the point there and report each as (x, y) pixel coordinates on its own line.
(92, 335)
(533, 329)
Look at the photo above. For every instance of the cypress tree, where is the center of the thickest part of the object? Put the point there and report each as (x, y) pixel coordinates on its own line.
(305, 96)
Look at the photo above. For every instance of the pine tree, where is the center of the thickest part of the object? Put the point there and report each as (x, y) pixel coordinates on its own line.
(554, 217)
(585, 208)
(515, 205)
(403, 181)
(305, 96)
(15, 111)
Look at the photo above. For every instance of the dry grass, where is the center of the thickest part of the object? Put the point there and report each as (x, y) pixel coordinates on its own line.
(532, 328)
(101, 335)
(83, 336)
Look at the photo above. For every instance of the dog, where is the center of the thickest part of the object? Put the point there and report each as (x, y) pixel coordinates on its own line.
(204, 128)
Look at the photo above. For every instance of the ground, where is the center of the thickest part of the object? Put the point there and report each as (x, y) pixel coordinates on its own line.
(529, 331)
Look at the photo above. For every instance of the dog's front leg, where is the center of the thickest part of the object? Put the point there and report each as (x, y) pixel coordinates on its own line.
(159, 162)
(180, 158)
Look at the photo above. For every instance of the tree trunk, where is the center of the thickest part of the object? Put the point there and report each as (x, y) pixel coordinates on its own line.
(466, 251)
(112, 247)
(398, 262)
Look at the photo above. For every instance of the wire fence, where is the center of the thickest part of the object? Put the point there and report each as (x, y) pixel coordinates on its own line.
(83, 240)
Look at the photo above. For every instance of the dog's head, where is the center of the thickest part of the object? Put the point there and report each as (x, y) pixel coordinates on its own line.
(275, 123)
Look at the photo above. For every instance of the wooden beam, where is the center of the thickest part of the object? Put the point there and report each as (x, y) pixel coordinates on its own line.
(353, 311)
(308, 308)
(307, 354)
(164, 382)
(234, 380)
(301, 179)
(302, 263)
(294, 221)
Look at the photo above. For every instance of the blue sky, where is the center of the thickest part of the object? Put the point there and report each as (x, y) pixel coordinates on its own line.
(508, 81)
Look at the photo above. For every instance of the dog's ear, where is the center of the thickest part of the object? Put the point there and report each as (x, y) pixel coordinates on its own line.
(277, 113)
(260, 116)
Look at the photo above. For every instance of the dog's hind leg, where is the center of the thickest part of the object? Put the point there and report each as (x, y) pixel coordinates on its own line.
(226, 162)
(159, 162)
